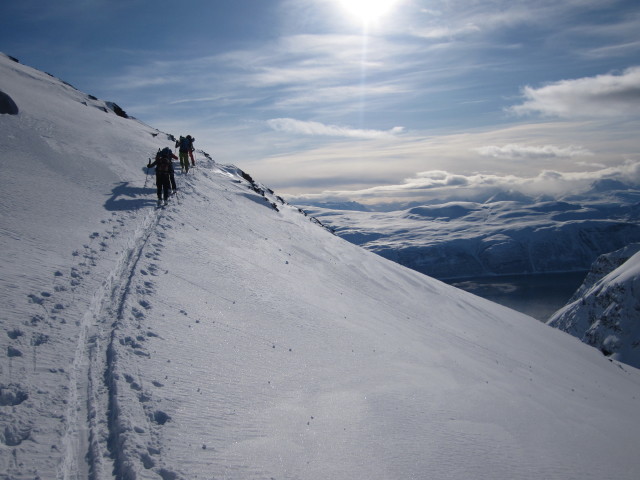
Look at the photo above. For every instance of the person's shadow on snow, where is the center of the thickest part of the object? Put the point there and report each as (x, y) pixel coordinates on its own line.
(125, 197)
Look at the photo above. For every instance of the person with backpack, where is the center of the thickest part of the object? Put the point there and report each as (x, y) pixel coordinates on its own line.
(184, 145)
(191, 149)
(164, 173)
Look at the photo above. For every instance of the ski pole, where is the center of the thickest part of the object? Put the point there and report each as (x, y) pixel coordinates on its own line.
(147, 176)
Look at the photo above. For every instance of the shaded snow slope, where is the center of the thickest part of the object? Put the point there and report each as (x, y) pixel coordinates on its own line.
(497, 237)
(605, 311)
(228, 336)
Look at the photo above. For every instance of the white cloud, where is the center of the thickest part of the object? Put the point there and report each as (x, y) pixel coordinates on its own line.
(290, 125)
(607, 95)
(447, 32)
(531, 152)
(341, 163)
(442, 186)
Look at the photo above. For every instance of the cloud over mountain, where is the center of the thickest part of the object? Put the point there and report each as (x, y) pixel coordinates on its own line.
(441, 185)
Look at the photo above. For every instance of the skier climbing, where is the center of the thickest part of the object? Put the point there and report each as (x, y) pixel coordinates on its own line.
(191, 149)
(164, 172)
(184, 145)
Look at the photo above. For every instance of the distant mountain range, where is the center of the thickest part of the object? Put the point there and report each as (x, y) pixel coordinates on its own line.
(508, 233)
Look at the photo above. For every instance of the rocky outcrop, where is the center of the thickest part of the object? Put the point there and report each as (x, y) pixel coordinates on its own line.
(605, 311)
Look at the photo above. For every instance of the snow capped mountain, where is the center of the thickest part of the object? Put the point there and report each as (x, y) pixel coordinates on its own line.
(605, 311)
(501, 236)
(229, 336)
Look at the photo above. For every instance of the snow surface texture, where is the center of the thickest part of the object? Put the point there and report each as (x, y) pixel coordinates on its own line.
(605, 311)
(499, 236)
(228, 336)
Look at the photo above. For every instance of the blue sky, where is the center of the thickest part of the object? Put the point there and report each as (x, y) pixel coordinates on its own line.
(322, 99)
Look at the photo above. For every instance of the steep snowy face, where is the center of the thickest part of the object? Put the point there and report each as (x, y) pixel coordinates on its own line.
(228, 335)
(72, 202)
(605, 311)
(464, 239)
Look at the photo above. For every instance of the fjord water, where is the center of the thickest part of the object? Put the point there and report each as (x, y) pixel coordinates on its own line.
(538, 295)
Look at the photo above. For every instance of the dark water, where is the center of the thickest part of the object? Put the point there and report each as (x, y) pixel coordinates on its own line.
(536, 295)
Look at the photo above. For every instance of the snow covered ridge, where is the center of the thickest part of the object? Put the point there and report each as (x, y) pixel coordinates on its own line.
(605, 311)
(466, 239)
(227, 336)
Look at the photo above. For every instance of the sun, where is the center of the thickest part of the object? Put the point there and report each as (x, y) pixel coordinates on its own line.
(367, 11)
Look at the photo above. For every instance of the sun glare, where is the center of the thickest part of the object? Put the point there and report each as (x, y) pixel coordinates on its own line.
(367, 11)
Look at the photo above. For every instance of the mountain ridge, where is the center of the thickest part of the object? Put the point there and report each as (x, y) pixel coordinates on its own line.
(605, 310)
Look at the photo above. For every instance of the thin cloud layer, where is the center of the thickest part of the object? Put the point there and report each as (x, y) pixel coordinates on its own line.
(531, 152)
(292, 126)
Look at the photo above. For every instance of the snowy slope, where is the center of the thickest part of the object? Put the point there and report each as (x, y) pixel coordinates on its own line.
(605, 311)
(497, 237)
(229, 336)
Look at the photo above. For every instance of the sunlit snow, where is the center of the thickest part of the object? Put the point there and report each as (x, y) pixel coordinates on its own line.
(229, 336)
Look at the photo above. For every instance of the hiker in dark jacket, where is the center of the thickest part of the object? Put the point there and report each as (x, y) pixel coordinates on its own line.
(164, 173)
(191, 149)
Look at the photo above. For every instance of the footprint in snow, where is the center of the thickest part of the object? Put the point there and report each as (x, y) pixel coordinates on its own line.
(147, 461)
(15, 434)
(12, 395)
(167, 474)
(35, 299)
(147, 289)
(15, 334)
(57, 308)
(160, 417)
(13, 352)
(133, 384)
(39, 339)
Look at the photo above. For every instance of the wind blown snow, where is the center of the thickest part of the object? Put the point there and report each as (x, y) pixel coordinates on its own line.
(230, 336)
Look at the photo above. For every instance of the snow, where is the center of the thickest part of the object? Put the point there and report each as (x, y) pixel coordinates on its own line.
(605, 311)
(228, 335)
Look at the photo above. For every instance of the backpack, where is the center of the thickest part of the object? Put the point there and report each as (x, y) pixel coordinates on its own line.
(184, 144)
(163, 161)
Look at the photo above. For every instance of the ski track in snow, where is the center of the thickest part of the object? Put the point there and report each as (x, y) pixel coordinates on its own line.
(106, 313)
(122, 300)
(95, 381)
(118, 308)
(92, 383)
(85, 405)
